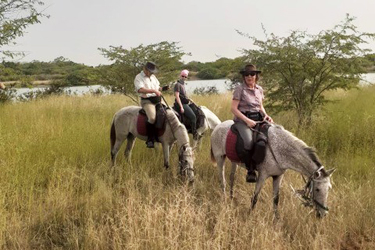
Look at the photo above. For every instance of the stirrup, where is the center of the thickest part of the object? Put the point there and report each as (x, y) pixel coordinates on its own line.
(150, 144)
(251, 177)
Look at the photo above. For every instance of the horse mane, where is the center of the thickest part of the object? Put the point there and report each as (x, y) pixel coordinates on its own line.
(177, 127)
(311, 152)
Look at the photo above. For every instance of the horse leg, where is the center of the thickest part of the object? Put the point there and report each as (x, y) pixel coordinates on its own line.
(276, 191)
(166, 154)
(258, 187)
(231, 181)
(129, 146)
(115, 148)
(220, 165)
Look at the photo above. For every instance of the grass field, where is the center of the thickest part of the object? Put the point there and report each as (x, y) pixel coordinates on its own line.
(57, 190)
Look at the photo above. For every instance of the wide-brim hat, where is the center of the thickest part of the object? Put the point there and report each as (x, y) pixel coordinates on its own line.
(249, 68)
(151, 66)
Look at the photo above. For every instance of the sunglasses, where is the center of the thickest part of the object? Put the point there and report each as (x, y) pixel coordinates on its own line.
(250, 74)
(184, 76)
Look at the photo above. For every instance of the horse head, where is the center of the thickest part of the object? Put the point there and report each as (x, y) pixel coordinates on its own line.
(316, 191)
(186, 162)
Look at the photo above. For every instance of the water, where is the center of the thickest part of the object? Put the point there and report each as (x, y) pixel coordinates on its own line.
(368, 78)
(219, 84)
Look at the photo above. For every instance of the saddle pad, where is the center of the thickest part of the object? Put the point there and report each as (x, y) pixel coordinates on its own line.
(230, 147)
(141, 126)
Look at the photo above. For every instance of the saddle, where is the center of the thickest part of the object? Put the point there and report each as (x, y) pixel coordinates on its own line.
(184, 120)
(160, 121)
(234, 145)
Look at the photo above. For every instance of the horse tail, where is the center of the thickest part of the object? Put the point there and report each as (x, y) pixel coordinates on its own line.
(113, 135)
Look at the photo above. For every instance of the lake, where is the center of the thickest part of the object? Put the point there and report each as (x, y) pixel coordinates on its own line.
(220, 84)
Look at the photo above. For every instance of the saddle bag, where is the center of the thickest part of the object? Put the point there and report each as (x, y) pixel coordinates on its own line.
(199, 114)
(261, 140)
(161, 116)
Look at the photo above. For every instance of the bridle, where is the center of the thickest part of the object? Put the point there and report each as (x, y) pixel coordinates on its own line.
(182, 162)
(308, 194)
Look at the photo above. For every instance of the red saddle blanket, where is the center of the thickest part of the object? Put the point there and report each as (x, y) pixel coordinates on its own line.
(230, 147)
(141, 126)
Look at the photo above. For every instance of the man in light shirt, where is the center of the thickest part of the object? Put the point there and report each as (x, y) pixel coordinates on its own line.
(148, 87)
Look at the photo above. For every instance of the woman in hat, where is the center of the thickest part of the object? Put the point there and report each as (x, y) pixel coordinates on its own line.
(182, 101)
(247, 107)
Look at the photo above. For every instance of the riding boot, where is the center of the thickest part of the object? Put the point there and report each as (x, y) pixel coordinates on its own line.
(251, 175)
(150, 135)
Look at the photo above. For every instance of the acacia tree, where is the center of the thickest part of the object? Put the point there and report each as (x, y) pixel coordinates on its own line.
(300, 68)
(127, 63)
(15, 17)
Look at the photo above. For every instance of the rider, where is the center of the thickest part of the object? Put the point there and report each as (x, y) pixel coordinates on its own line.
(247, 107)
(182, 101)
(148, 87)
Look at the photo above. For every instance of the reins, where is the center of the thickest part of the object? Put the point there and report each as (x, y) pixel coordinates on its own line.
(180, 152)
(308, 194)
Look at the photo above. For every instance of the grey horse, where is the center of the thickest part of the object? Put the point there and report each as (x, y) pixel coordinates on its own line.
(210, 122)
(124, 127)
(284, 151)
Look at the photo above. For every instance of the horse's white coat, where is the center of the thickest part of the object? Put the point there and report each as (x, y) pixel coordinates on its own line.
(124, 127)
(284, 151)
(210, 122)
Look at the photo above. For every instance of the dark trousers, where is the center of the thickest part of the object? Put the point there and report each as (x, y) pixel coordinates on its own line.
(188, 113)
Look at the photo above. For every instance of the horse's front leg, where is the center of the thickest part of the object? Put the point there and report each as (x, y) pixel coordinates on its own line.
(276, 192)
(258, 187)
(166, 154)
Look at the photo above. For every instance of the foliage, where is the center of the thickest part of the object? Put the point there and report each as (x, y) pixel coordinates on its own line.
(127, 63)
(300, 68)
(58, 192)
(208, 90)
(15, 17)
(69, 73)
(7, 95)
(209, 73)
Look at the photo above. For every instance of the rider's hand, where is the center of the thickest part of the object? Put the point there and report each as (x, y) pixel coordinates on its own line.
(268, 118)
(164, 88)
(250, 123)
(157, 92)
(182, 110)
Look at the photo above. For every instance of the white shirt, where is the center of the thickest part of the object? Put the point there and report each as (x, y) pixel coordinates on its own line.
(143, 81)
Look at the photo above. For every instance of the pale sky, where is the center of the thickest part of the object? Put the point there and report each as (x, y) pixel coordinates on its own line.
(206, 28)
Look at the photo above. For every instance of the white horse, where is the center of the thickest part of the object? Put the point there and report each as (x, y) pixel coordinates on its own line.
(124, 126)
(284, 151)
(210, 122)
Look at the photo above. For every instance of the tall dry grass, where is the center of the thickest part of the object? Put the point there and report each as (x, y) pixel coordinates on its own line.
(57, 190)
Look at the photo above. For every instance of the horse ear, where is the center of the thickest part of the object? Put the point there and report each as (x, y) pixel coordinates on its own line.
(330, 171)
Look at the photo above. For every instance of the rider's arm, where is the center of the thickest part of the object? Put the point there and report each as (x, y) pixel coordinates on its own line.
(266, 117)
(178, 100)
(234, 108)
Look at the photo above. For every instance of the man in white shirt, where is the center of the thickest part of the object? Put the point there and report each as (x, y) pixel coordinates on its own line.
(148, 87)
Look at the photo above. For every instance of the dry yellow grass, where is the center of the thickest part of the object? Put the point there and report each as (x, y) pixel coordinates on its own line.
(58, 192)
